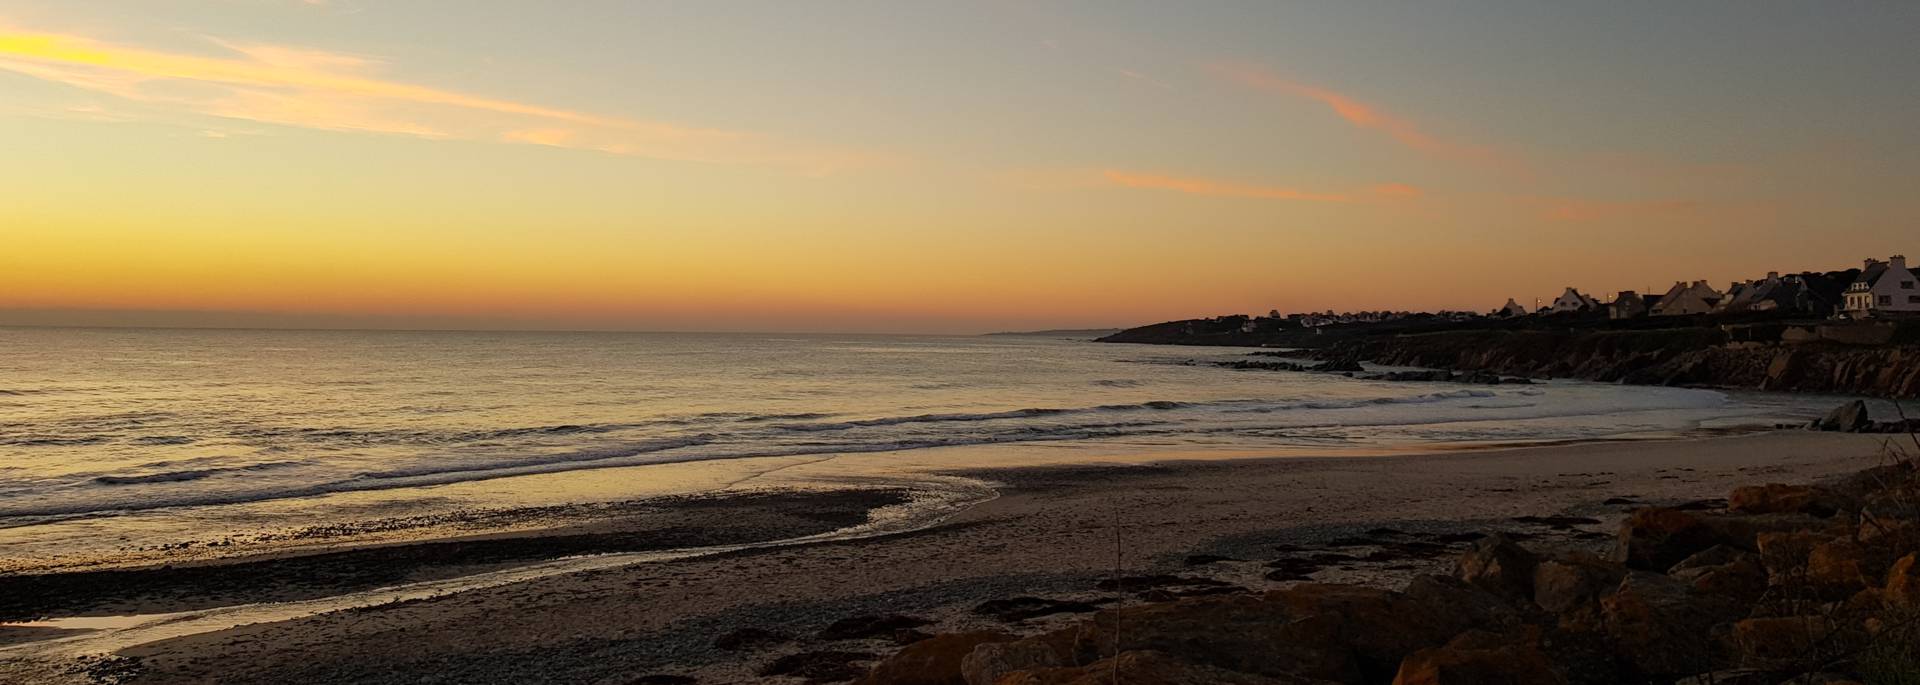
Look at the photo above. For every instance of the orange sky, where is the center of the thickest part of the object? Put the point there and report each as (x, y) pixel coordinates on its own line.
(958, 169)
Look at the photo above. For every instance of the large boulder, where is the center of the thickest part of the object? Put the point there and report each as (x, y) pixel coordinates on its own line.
(1148, 668)
(1656, 538)
(1723, 571)
(991, 661)
(1847, 418)
(1500, 566)
(1785, 642)
(1565, 584)
(1661, 626)
(1478, 658)
(1777, 498)
(1379, 627)
(933, 661)
(1903, 583)
(1235, 632)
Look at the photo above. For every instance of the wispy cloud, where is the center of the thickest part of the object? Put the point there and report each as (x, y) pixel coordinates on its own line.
(1364, 116)
(1216, 188)
(1579, 210)
(1137, 76)
(330, 91)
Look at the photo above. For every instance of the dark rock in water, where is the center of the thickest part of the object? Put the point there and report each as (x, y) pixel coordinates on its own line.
(1023, 608)
(1385, 532)
(858, 627)
(1139, 583)
(1204, 559)
(749, 639)
(819, 667)
(1346, 363)
(1617, 501)
(1847, 418)
(1452, 538)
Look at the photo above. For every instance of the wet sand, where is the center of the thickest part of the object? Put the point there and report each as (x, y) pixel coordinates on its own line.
(1053, 533)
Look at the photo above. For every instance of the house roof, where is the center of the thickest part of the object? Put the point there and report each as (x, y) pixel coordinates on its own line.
(1871, 276)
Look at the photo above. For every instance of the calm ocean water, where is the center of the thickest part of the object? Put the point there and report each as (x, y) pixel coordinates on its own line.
(142, 432)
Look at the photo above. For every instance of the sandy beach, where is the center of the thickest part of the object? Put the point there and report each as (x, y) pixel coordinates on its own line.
(1052, 533)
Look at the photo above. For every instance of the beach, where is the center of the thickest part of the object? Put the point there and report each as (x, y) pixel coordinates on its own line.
(1049, 532)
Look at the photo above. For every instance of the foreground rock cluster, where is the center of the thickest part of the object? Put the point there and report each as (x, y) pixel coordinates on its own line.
(1786, 583)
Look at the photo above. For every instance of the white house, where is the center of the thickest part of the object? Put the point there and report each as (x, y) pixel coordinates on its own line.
(1511, 309)
(1573, 301)
(1883, 288)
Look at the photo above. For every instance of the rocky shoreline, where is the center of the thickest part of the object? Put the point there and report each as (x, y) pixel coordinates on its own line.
(1866, 359)
(1777, 584)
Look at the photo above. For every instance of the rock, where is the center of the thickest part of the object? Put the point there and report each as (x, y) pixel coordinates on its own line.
(1023, 608)
(1741, 577)
(1776, 498)
(861, 627)
(1380, 627)
(1349, 363)
(1903, 583)
(749, 639)
(1235, 632)
(1840, 567)
(1142, 667)
(1561, 585)
(1785, 554)
(1655, 539)
(991, 661)
(1464, 605)
(933, 661)
(1785, 642)
(1847, 418)
(819, 667)
(1661, 627)
(1500, 566)
(1717, 555)
(1477, 658)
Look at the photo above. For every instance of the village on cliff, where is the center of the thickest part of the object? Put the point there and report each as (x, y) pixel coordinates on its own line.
(1879, 289)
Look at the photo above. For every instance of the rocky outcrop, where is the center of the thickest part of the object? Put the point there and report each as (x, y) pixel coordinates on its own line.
(1685, 356)
(1820, 583)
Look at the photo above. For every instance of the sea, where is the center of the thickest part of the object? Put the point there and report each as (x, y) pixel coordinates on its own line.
(140, 439)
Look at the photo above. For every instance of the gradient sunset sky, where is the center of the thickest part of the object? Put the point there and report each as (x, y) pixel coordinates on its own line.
(929, 167)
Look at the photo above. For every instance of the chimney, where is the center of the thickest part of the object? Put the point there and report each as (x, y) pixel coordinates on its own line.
(1899, 261)
(1773, 275)
(1870, 262)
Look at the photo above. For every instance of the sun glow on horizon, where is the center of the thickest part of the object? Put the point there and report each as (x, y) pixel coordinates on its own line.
(792, 170)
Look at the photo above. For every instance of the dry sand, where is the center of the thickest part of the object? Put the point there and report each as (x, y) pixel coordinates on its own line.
(1053, 533)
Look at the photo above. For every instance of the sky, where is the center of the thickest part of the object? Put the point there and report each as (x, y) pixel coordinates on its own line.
(929, 167)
